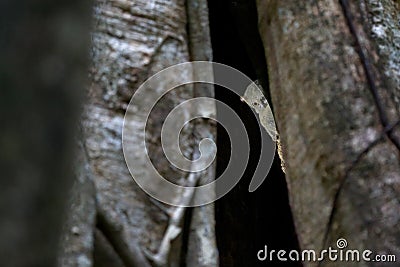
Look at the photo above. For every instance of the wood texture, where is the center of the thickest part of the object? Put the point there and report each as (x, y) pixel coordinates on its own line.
(133, 40)
(334, 86)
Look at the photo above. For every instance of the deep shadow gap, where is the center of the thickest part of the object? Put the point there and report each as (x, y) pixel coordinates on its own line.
(246, 222)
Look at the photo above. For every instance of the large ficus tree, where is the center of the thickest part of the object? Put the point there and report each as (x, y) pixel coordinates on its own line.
(335, 86)
(334, 81)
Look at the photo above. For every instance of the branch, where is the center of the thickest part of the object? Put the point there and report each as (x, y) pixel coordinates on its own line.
(176, 216)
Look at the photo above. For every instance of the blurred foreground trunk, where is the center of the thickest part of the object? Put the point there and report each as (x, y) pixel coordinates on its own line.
(43, 66)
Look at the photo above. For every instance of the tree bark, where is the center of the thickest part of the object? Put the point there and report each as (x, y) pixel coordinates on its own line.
(334, 81)
(202, 248)
(77, 243)
(133, 40)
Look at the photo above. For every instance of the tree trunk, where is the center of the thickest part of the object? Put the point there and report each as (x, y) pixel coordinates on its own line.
(43, 66)
(77, 243)
(133, 40)
(334, 81)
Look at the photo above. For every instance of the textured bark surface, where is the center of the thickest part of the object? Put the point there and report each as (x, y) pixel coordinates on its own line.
(334, 82)
(201, 248)
(78, 233)
(133, 40)
(43, 66)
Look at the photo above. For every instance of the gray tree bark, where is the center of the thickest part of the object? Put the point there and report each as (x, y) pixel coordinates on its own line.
(133, 40)
(334, 76)
(77, 242)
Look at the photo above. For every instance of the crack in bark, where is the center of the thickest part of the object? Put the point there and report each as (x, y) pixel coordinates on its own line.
(383, 117)
(131, 256)
(346, 177)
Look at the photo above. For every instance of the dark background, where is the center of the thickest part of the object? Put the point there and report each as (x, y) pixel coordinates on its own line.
(246, 222)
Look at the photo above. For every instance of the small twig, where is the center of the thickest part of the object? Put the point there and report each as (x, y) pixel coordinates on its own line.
(160, 206)
(176, 216)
